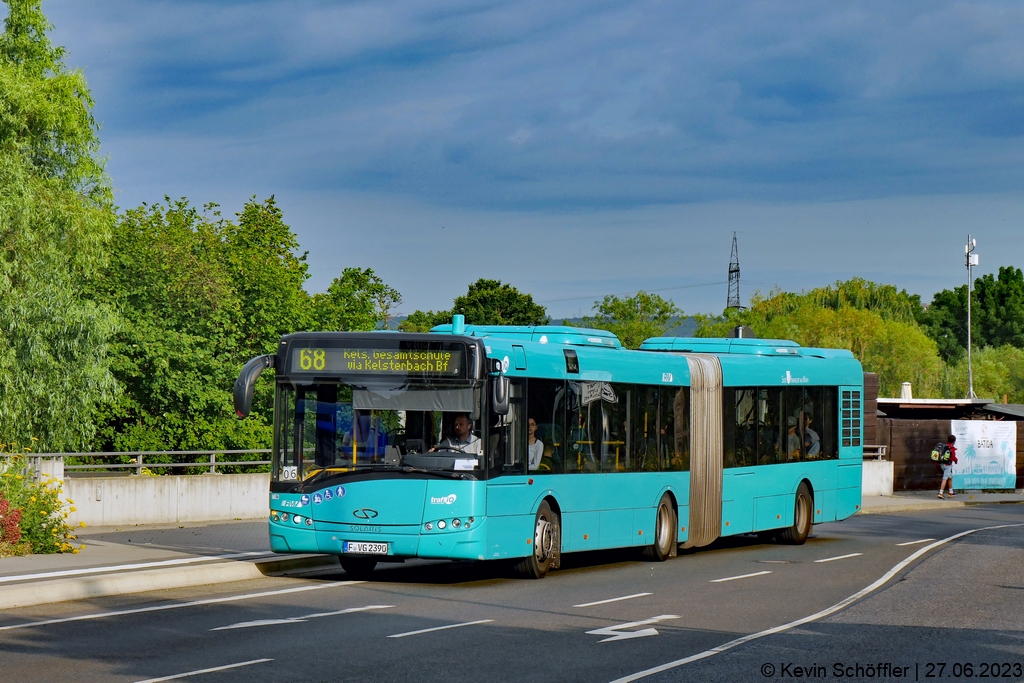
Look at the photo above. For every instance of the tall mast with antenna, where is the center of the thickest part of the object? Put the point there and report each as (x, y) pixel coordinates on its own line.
(734, 276)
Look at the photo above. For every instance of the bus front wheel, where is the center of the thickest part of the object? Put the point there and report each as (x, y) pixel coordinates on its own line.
(358, 567)
(547, 544)
(797, 534)
(664, 531)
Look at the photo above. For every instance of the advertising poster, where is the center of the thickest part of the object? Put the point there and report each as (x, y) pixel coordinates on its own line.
(986, 454)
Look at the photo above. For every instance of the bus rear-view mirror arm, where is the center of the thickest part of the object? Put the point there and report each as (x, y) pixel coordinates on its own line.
(246, 382)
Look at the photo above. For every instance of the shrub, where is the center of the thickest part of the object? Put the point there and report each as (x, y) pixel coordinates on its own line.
(43, 518)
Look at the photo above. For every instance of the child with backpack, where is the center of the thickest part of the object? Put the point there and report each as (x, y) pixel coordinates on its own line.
(945, 455)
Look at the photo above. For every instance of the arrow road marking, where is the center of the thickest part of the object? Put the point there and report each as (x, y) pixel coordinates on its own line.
(617, 634)
(297, 620)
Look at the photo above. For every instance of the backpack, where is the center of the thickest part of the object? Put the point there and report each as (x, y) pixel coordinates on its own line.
(940, 453)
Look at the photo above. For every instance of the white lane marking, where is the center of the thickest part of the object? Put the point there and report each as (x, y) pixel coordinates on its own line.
(923, 540)
(839, 557)
(806, 620)
(617, 633)
(125, 567)
(298, 620)
(604, 602)
(205, 671)
(741, 576)
(194, 603)
(440, 628)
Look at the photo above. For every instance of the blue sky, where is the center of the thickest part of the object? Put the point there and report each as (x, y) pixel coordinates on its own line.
(576, 149)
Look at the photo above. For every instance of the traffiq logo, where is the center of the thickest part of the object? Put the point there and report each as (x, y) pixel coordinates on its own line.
(443, 500)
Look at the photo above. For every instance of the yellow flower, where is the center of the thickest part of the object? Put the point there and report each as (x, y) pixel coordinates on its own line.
(74, 509)
(81, 524)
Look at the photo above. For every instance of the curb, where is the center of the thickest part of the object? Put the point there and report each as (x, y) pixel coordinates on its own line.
(910, 507)
(105, 585)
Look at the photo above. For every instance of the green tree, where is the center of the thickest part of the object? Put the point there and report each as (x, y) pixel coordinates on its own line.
(267, 274)
(486, 302)
(489, 302)
(172, 276)
(56, 214)
(875, 322)
(358, 300)
(633, 319)
(424, 321)
(998, 371)
(997, 314)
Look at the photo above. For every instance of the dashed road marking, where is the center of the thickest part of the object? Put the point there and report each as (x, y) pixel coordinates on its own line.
(741, 576)
(205, 671)
(923, 540)
(605, 602)
(440, 628)
(839, 557)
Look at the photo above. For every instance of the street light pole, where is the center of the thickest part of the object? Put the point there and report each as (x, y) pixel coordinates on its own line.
(971, 261)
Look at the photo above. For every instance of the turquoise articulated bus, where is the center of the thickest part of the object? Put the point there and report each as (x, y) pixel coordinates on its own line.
(523, 443)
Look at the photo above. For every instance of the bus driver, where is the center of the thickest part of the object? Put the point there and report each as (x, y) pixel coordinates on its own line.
(463, 441)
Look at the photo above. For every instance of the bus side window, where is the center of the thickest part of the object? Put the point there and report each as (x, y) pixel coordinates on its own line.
(770, 431)
(645, 429)
(829, 423)
(583, 427)
(615, 401)
(545, 405)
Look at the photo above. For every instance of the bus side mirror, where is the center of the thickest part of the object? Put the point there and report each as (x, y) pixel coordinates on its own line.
(500, 395)
(246, 383)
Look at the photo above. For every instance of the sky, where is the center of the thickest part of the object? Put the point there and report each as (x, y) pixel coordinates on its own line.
(578, 149)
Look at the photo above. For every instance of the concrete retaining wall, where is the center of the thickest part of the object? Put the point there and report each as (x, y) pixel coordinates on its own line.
(877, 478)
(123, 501)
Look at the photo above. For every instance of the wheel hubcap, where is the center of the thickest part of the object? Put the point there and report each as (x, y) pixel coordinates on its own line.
(544, 540)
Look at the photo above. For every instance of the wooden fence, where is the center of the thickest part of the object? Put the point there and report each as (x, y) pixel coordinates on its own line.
(910, 444)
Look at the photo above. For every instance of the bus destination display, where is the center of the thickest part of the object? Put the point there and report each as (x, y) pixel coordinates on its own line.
(377, 361)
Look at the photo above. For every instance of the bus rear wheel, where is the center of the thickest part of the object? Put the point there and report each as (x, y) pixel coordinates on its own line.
(547, 544)
(664, 531)
(358, 567)
(797, 534)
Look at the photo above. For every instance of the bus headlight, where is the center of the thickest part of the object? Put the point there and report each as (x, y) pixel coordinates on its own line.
(309, 521)
(428, 526)
(284, 516)
(441, 524)
(274, 515)
(456, 523)
(297, 519)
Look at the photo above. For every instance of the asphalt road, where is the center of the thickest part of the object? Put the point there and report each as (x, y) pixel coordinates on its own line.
(603, 617)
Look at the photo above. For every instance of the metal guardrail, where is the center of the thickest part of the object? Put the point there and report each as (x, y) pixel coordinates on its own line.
(35, 460)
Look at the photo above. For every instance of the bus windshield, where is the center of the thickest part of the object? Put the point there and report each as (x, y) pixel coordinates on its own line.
(347, 427)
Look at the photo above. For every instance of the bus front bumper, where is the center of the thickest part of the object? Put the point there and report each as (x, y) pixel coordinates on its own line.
(403, 541)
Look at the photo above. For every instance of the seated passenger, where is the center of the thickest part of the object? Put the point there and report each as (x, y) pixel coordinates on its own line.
(793, 443)
(535, 450)
(812, 442)
(463, 441)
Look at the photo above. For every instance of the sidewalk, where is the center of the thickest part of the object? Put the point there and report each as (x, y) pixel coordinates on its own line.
(118, 561)
(929, 500)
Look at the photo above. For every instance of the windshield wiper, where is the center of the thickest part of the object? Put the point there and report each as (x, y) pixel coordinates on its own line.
(451, 475)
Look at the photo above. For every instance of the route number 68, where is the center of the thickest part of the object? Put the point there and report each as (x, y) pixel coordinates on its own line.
(312, 359)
